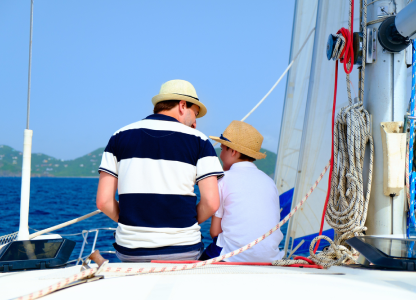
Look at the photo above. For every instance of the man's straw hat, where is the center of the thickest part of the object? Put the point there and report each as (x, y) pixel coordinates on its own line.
(243, 138)
(179, 90)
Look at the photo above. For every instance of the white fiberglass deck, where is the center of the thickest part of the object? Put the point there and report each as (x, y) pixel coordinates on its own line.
(220, 282)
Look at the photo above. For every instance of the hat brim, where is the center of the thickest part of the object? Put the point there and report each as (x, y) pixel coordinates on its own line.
(165, 97)
(239, 148)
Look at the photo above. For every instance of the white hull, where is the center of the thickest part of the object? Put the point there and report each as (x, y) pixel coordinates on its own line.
(221, 282)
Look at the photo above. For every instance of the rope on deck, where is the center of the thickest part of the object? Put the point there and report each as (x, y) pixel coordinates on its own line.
(5, 239)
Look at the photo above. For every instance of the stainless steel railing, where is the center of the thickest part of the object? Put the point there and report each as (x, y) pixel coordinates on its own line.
(85, 234)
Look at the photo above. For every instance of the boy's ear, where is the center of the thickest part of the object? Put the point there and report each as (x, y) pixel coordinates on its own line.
(234, 153)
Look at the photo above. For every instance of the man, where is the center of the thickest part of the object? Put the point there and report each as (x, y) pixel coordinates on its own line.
(249, 200)
(155, 164)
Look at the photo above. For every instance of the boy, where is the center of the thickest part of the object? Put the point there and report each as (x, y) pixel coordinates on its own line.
(249, 200)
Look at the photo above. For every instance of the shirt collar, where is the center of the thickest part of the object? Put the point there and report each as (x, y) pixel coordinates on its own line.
(243, 164)
(161, 117)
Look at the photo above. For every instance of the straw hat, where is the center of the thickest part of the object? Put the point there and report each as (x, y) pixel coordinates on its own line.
(179, 90)
(243, 138)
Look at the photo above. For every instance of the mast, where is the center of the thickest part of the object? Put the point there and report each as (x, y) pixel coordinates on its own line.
(385, 98)
(27, 153)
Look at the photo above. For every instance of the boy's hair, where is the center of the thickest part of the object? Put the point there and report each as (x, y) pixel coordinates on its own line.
(168, 105)
(245, 157)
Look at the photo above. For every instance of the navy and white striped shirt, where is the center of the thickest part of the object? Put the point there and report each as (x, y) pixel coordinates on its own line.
(157, 162)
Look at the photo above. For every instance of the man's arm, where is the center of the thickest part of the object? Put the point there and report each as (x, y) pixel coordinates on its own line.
(215, 226)
(106, 202)
(210, 198)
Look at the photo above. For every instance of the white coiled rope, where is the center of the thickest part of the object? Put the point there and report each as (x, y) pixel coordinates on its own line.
(347, 206)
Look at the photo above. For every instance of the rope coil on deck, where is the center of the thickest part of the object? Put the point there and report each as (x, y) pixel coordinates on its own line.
(347, 206)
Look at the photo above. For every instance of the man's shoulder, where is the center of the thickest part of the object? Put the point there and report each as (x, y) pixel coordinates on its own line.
(134, 125)
(163, 125)
(192, 131)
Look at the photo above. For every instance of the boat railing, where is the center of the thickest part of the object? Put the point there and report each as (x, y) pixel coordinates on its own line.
(84, 235)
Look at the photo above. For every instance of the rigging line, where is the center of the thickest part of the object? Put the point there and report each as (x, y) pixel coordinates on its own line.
(281, 77)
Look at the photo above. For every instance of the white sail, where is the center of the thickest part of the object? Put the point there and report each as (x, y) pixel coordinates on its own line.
(315, 146)
(295, 102)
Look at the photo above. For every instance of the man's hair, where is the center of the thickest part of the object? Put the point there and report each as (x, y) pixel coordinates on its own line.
(168, 105)
(244, 157)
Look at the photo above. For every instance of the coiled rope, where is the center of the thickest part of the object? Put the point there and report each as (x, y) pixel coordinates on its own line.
(136, 271)
(347, 207)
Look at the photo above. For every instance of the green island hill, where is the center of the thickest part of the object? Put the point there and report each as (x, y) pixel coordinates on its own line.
(85, 166)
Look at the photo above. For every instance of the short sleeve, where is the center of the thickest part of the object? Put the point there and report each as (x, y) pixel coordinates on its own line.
(208, 163)
(220, 212)
(109, 159)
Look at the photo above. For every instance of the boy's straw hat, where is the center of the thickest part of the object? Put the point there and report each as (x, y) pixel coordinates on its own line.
(179, 90)
(243, 138)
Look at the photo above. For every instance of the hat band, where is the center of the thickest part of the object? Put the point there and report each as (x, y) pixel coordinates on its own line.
(224, 138)
(186, 96)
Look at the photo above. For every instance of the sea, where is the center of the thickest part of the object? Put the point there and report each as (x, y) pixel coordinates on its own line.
(57, 200)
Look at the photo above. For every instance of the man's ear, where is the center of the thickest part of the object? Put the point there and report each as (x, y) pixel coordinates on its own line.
(182, 107)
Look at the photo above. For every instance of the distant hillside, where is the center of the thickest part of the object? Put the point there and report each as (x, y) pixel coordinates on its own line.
(86, 166)
(46, 166)
(267, 165)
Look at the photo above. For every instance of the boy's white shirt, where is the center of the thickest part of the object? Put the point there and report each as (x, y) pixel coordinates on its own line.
(249, 207)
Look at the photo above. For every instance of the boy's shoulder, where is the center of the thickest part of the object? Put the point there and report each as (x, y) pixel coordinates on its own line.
(256, 174)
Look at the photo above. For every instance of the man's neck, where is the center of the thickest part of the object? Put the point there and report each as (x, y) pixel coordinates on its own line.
(170, 113)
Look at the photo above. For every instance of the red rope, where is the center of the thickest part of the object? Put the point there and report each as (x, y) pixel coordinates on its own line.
(311, 263)
(332, 157)
(347, 55)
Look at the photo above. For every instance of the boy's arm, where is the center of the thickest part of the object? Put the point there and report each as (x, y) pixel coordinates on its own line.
(106, 202)
(210, 199)
(215, 226)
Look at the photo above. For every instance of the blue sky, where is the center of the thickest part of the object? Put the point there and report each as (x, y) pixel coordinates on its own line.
(97, 64)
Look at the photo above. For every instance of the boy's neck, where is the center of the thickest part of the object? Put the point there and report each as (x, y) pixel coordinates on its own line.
(236, 162)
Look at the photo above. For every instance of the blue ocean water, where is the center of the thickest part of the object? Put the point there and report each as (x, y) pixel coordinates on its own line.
(57, 200)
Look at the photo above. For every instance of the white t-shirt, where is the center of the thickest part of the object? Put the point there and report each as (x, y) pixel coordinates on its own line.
(249, 207)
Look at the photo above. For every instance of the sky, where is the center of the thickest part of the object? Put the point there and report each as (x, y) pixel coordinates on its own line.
(97, 64)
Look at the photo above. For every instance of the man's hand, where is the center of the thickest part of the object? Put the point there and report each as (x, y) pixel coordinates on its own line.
(210, 198)
(106, 202)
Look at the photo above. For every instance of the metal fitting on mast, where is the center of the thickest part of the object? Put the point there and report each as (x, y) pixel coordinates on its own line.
(395, 32)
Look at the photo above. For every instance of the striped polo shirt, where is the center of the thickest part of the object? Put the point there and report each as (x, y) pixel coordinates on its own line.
(157, 162)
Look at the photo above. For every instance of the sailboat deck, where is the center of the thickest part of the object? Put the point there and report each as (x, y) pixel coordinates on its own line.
(228, 282)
